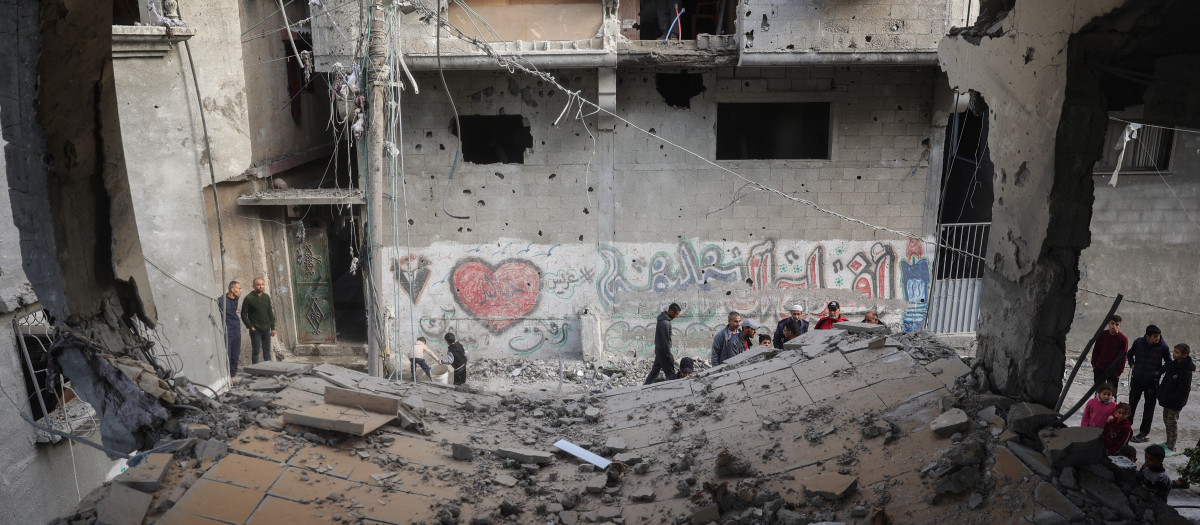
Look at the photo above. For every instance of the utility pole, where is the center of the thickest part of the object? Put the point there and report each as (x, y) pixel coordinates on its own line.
(380, 78)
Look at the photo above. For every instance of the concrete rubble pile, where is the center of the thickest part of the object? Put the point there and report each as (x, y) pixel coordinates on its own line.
(842, 426)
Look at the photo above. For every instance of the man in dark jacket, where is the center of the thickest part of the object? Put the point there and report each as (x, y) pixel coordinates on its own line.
(233, 324)
(1146, 357)
(259, 318)
(663, 360)
(458, 356)
(797, 314)
(1108, 350)
(1173, 389)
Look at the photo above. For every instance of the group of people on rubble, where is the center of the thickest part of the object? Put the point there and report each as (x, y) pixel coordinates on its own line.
(737, 336)
(422, 354)
(1159, 374)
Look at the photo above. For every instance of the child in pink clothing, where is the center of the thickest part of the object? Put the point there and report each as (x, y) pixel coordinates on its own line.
(1099, 408)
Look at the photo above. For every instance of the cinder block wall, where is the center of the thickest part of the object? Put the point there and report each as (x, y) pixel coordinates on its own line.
(538, 249)
(844, 25)
(1143, 246)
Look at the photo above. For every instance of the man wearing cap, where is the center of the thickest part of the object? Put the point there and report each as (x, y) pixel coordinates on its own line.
(733, 326)
(663, 360)
(737, 342)
(1146, 356)
(797, 313)
(835, 316)
(686, 367)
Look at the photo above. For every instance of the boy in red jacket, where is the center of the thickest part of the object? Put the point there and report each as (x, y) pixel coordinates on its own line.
(1111, 347)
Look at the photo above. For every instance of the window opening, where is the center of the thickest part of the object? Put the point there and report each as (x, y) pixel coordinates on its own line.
(677, 89)
(655, 18)
(1150, 150)
(494, 139)
(773, 130)
(51, 402)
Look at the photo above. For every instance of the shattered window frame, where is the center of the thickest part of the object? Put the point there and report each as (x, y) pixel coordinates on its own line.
(35, 334)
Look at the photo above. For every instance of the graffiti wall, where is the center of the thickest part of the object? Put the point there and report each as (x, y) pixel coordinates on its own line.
(515, 298)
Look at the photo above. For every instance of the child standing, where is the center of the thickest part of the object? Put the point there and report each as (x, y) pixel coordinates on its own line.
(1098, 409)
(1118, 430)
(1173, 389)
(1153, 475)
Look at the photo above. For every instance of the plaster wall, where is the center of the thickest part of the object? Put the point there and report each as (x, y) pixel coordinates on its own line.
(1143, 246)
(541, 248)
(167, 164)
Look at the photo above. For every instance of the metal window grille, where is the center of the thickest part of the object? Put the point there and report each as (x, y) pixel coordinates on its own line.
(958, 278)
(49, 397)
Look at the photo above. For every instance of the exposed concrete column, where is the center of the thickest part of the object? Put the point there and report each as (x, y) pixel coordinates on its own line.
(1020, 68)
(379, 78)
(607, 99)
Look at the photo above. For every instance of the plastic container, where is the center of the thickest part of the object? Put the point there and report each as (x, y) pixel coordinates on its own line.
(440, 374)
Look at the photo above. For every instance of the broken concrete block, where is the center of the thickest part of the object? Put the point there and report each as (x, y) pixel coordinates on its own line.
(210, 450)
(597, 483)
(1028, 419)
(1031, 458)
(461, 452)
(707, 514)
(1073, 446)
(644, 494)
(628, 458)
(790, 517)
(568, 517)
(877, 343)
(615, 444)
(757, 352)
(525, 455)
(831, 486)
(1105, 492)
(608, 513)
(196, 430)
(962, 480)
(505, 480)
(950, 422)
(147, 475)
(122, 505)
(592, 414)
(1047, 496)
(1008, 466)
(277, 368)
(951, 368)
(858, 327)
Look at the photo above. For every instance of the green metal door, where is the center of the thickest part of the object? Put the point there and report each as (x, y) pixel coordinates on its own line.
(312, 287)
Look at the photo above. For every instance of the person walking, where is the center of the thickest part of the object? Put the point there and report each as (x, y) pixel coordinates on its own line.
(233, 324)
(1146, 356)
(259, 318)
(664, 361)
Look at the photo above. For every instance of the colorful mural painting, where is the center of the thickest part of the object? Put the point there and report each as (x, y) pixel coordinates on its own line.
(492, 296)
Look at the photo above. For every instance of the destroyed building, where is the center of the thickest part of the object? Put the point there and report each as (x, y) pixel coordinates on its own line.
(560, 228)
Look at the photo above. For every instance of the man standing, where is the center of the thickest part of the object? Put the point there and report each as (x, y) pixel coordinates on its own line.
(663, 360)
(233, 324)
(1146, 356)
(736, 343)
(835, 316)
(732, 327)
(871, 317)
(1109, 348)
(797, 314)
(259, 317)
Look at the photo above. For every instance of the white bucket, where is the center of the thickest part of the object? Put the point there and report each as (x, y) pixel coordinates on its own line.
(440, 374)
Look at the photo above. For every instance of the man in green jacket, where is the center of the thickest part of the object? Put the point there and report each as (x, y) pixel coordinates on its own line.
(259, 317)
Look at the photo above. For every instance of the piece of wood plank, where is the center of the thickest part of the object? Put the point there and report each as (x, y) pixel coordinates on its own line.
(340, 418)
(364, 400)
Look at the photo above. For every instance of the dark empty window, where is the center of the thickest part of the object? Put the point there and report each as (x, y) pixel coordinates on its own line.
(494, 139)
(773, 130)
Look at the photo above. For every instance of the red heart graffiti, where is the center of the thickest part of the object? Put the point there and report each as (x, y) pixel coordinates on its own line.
(500, 296)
